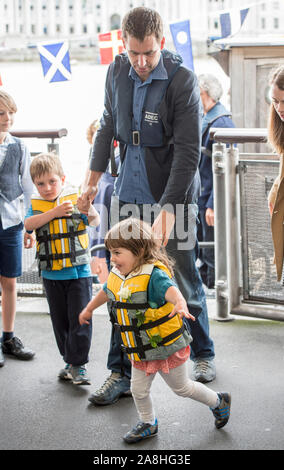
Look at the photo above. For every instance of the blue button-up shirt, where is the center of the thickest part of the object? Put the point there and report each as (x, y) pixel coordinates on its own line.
(132, 184)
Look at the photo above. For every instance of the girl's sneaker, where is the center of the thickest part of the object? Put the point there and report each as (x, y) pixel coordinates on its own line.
(141, 431)
(79, 375)
(222, 412)
(65, 374)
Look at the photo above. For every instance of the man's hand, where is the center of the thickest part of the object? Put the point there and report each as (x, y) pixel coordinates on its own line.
(209, 217)
(84, 201)
(163, 226)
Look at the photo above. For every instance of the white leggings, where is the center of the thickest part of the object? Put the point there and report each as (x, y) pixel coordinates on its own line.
(178, 380)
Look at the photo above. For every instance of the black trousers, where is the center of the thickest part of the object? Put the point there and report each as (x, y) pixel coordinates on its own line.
(66, 299)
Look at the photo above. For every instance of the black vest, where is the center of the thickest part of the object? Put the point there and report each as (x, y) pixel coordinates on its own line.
(152, 132)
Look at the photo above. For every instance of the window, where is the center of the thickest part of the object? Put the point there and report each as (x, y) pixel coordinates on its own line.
(276, 23)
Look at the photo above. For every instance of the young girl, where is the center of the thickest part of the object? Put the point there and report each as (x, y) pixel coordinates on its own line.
(15, 181)
(148, 309)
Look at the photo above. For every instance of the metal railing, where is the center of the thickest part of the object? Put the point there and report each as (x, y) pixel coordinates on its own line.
(244, 252)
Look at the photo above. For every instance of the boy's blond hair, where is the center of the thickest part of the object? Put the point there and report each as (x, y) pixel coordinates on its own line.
(7, 101)
(46, 163)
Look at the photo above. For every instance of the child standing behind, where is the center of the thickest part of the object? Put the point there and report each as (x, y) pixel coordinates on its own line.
(63, 260)
(148, 309)
(15, 181)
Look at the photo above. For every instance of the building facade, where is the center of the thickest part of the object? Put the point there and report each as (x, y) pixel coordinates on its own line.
(28, 21)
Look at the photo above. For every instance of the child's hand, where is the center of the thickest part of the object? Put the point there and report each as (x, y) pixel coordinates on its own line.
(84, 205)
(181, 308)
(29, 240)
(64, 210)
(85, 316)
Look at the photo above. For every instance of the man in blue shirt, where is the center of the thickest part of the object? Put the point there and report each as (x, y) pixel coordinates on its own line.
(152, 108)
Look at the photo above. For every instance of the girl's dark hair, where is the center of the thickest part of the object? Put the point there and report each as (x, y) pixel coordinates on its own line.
(136, 236)
(141, 22)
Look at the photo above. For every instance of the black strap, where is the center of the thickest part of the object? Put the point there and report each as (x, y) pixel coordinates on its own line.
(112, 160)
(45, 233)
(47, 237)
(147, 347)
(145, 326)
(56, 256)
(129, 305)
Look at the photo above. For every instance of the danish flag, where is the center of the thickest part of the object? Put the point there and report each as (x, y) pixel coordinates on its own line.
(110, 45)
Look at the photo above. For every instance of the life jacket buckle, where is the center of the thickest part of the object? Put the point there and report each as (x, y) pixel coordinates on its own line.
(136, 138)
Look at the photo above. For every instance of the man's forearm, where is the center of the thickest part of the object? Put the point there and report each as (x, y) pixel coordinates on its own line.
(94, 178)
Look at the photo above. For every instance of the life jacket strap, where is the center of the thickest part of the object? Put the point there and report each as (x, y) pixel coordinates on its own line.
(141, 348)
(129, 306)
(145, 326)
(47, 237)
(57, 256)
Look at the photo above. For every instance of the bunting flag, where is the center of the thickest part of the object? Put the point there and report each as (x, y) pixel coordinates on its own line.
(110, 45)
(55, 61)
(182, 41)
(232, 21)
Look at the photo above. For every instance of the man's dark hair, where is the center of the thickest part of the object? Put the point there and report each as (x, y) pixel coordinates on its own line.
(141, 22)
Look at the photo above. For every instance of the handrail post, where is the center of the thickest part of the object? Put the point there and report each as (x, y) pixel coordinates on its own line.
(52, 147)
(221, 287)
(232, 227)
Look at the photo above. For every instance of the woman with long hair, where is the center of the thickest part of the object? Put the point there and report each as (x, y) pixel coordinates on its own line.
(276, 139)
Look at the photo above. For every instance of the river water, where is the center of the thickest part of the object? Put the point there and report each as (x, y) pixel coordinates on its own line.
(70, 104)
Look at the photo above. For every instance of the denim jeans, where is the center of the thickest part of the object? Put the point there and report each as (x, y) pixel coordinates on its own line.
(182, 247)
(11, 243)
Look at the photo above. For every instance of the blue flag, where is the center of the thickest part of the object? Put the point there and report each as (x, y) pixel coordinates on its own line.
(182, 41)
(231, 21)
(55, 61)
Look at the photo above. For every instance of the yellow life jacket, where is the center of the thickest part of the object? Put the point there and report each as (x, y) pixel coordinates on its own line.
(63, 242)
(147, 333)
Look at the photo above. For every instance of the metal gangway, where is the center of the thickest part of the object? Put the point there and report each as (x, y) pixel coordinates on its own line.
(245, 273)
(245, 277)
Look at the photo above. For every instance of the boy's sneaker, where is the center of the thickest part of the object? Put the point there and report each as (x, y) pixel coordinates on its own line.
(141, 431)
(79, 375)
(222, 412)
(65, 374)
(112, 389)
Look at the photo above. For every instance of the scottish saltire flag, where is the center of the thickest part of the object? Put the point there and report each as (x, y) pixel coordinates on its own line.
(110, 45)
(231, 21)
(182, 41)
(55, 61)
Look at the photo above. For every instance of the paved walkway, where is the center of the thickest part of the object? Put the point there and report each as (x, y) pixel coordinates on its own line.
(37, 411)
